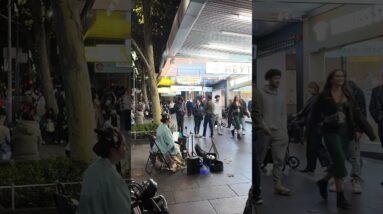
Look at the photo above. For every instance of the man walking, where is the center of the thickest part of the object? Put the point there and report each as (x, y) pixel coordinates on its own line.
(209, 117)
(218, 114)
(274, 128)
(376, 110)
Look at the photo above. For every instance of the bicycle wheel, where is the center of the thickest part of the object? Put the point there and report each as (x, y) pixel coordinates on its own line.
(293, 162)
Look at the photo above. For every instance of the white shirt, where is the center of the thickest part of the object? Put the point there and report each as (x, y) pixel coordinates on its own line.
(217, 107)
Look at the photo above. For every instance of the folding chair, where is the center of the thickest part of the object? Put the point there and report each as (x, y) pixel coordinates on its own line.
(153, 156)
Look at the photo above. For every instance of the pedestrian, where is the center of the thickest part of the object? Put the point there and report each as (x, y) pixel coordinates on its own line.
(274, 128)
(376, 110)
(254, 196)
(5, 137)
(342, 122)
(180, 111)
(49, 127)
(198, 117)
(237, 114)
(314, 148)
(26, 139)
(125, 103)
(245, 113)
(97, 110)
(353, 154)
(209, 117)
(173, 117)
(229, 114)
(103, 189)
(218, 114)
(189, 107)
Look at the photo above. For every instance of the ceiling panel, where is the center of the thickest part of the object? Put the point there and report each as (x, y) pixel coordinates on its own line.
(222, 30)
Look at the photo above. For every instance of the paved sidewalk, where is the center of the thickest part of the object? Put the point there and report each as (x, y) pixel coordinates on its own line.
(204, 194)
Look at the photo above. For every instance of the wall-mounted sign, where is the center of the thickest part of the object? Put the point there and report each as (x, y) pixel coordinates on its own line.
(190, 88)
(111, 67)
(228, 68)
(345, 25)
(188, 80)
(108, 53)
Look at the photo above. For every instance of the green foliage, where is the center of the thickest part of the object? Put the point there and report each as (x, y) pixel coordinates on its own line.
(147, 127)
(38, 172)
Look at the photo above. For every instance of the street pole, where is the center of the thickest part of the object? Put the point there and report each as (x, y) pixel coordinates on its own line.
(9, 98)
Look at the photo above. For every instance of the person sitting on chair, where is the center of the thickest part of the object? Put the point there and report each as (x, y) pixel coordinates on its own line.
(166, 145)
(104, 191)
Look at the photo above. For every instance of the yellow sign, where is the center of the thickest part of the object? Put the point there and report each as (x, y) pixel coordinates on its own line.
(113, 26)
(165, 81)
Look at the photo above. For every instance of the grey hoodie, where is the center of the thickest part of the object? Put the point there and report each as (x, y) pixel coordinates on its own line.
(273, 109)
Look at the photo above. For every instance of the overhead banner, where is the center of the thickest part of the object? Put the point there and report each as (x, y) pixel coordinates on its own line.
(228, 68)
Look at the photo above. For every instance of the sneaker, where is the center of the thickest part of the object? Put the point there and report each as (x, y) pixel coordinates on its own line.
(332, 186)
(203, 137)
(243, 131)
(281, 190)
(197, 136)
(356, 187)
(258, 201)
(220, 133)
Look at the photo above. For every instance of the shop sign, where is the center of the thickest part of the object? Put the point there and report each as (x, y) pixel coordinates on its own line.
(190, 88)
(188, 80)
(111, 67)
(345, 25)
(228, 68)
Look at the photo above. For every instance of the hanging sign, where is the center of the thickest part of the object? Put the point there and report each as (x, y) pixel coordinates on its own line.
(228, 68)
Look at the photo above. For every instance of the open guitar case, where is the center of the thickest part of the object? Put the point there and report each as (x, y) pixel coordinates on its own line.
(210, 159)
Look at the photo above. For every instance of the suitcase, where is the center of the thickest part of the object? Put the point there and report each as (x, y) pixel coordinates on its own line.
(193, 165)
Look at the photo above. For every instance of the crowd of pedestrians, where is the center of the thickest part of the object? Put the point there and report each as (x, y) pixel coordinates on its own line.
(334, 119)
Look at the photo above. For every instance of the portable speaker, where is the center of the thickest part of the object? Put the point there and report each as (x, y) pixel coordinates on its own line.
(192, 165)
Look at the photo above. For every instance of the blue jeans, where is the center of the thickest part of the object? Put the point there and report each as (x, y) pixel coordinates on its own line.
(209, 119)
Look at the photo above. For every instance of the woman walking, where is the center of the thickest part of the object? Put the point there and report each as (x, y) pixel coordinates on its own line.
(315, 149)
(342, 121)
(237, 113)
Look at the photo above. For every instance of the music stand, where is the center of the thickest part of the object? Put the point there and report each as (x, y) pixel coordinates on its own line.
(193, 154)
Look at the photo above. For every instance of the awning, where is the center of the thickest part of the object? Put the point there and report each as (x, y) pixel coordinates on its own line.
(117, 25)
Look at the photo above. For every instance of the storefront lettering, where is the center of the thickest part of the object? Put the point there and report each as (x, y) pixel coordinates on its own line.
(349, 22)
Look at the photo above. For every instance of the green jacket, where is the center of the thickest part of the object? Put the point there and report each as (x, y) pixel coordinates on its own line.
(209, 107)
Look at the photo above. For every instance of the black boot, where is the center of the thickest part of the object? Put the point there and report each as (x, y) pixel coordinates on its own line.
(341, 201)
(232, 132)
(322, 185)
(239, 137)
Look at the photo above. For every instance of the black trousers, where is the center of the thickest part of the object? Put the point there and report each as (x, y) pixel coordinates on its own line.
(126, 120)
(316, 150)
(180, 123)
(197, 124)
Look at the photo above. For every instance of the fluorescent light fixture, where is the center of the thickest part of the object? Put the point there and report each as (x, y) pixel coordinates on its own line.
(235, 34)
(223, 47)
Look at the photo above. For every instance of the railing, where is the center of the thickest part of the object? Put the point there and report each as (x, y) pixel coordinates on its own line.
(14, 187)
(134, 133)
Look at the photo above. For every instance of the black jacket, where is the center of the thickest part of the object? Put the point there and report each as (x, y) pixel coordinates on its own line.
(198, 111)
(359, 97)
(326, 107)
(376, 107)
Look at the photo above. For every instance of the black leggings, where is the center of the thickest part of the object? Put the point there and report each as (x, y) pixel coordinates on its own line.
(197, 124)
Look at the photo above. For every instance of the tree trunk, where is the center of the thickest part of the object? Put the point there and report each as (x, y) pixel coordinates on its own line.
(144, 89)
(40, 54)
(75, 78)
(156, 107)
